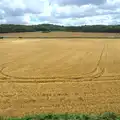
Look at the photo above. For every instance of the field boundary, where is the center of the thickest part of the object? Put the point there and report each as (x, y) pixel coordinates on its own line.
(5, 37)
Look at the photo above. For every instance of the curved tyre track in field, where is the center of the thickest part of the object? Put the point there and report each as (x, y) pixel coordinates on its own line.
(96, 73)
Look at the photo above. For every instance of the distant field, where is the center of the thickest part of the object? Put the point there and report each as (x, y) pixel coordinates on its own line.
(68, 75)
(60, 34)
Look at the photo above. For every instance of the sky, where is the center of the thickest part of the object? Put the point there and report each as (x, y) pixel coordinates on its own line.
(60, 12)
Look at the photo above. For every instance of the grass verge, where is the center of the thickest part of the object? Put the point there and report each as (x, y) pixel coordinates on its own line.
(104, 116)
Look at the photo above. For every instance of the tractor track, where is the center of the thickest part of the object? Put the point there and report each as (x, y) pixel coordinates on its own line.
(61, 81)
(3, 67)
(88, 76)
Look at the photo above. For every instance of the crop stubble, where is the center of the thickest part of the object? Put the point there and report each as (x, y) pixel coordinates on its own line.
(39, 76)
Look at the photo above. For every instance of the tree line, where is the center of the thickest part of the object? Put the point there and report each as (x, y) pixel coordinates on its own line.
(10, 28)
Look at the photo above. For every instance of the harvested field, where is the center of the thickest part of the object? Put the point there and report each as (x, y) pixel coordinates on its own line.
(45, 76)
(60, 34)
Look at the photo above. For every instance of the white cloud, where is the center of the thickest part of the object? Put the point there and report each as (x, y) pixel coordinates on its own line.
(77, 2)
(65, 12)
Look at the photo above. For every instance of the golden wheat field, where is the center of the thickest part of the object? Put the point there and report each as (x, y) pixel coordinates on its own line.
(59, 75)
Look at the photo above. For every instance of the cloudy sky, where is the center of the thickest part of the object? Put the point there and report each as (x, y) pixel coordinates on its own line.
(61, 12)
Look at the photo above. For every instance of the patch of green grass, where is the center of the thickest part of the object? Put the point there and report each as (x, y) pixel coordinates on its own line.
(104, 116)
